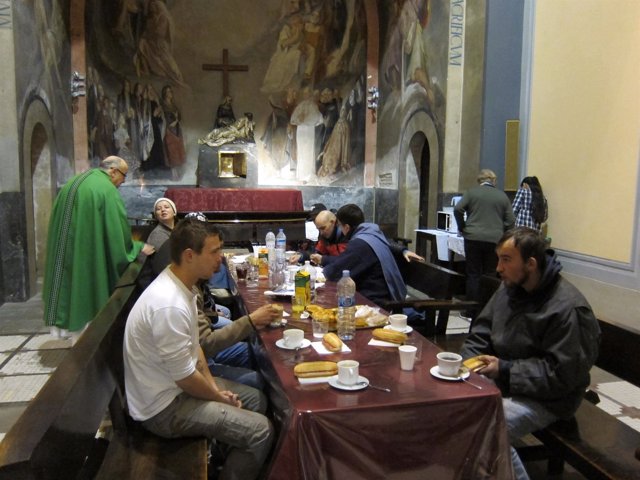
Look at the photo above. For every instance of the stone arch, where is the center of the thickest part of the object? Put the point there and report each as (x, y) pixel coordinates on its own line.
(419, 150)
(39, 179)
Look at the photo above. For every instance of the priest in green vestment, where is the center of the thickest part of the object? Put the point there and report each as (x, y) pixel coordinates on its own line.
(88, 248)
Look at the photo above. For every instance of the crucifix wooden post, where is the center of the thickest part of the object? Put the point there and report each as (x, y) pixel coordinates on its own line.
(225, 68)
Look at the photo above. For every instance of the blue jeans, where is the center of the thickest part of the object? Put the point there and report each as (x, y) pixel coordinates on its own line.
(245, 376)
(237, 355)
(523, 416)
(247, 432)
(235, 362)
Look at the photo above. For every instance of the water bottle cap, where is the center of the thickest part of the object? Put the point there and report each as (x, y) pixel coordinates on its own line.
(345, 273)
(280, 229)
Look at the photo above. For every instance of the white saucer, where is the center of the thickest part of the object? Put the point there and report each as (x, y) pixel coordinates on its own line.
(407, 329)
(333, 381)
(280, 344)
(462, 373)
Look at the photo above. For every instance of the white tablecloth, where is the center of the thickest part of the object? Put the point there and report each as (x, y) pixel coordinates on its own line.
(446, 241)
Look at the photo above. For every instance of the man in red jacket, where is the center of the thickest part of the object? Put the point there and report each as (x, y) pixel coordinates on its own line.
(331, 240)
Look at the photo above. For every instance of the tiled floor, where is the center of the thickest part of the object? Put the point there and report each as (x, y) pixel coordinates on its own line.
(28, 355)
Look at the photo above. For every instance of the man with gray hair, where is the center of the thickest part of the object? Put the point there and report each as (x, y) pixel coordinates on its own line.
(488, 215)
(89, 246)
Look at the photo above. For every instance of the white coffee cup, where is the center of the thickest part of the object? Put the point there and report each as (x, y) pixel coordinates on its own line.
(407, 356)
(398, 321)
(293, 337)
(348, 372)
(449, 363)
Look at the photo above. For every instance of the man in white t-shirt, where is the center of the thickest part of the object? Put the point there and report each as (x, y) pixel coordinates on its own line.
(168, 384)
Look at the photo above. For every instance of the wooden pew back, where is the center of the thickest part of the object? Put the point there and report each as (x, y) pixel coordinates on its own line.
(55, 437)
(440, 285)
(55, 434)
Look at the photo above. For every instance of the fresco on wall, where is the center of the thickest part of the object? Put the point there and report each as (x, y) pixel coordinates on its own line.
(413, 71)
(42, 72)
(302, 95)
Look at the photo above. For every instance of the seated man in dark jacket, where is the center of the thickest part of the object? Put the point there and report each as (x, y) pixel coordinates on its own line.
(538, 337)
(368, 257)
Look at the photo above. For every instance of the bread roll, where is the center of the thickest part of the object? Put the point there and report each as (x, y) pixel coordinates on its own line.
(389, 336)
(315, 369)
(332, 342)
(474, 364)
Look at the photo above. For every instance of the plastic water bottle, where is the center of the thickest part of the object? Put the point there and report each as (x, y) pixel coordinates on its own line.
(346, 307)
(281, 242)
(280, 263)
(312, 278)
(270, 242)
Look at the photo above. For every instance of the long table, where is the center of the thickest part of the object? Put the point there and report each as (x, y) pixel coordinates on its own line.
(424, 428)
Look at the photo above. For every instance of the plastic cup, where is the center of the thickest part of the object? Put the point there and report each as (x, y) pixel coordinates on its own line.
(277, 322)
(407, 356)
(320, 328)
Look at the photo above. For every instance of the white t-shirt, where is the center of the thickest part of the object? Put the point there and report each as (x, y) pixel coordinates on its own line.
(160, 345)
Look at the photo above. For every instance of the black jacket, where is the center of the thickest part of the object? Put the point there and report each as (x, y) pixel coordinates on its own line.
(547, 341)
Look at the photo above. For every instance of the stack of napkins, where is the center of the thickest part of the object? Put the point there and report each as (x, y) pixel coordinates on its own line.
(313, 380)
(379, 343)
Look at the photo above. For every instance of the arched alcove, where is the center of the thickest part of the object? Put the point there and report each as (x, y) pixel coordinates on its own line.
(38, 143)
(418, 163)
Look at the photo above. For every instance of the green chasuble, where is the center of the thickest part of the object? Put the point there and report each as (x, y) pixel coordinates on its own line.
(88, 248)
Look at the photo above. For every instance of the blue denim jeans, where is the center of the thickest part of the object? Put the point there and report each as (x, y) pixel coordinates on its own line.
(523, 416)
(248, 433)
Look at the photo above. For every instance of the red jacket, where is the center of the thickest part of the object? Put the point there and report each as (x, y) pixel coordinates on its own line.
(333, 246)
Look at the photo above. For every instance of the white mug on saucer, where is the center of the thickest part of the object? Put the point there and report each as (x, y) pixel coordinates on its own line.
(348, 372)
(449, 363)
(293, 337)
(398, 321)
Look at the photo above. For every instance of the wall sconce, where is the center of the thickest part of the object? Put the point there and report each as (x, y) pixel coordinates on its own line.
(77, 85)
(372, 100)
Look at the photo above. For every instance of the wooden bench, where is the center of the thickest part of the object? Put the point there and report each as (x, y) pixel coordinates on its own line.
(438, 286)
(55, 438)
(595, 443)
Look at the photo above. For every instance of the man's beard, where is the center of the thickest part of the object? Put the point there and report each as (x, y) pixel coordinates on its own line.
(518, 283)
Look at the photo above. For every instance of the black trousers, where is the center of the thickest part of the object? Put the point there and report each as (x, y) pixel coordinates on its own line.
(481, 259)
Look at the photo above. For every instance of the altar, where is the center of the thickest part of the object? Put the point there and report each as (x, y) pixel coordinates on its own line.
(245, 215)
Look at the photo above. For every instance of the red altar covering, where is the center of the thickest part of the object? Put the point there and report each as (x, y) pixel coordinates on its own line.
(424, 428)
(235, 199)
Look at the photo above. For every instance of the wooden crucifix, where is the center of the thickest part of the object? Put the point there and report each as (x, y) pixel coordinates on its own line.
(225, 68)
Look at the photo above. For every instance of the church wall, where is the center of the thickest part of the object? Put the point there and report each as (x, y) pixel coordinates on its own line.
(38, 70)
(503, 62)
(582, 142)
(421, 43)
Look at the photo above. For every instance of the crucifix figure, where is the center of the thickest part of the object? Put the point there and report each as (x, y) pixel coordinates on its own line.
(225, 67)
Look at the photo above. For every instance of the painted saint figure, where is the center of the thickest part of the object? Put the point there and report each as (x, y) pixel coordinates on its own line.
(173, 142)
